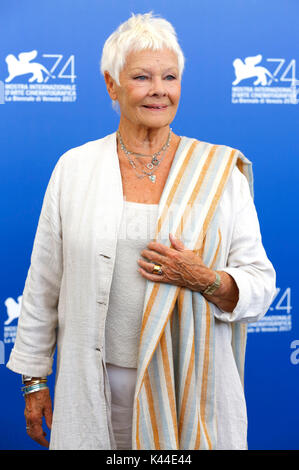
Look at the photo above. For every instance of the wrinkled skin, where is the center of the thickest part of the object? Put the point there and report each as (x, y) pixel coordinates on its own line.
(184, 268)
(37, 406)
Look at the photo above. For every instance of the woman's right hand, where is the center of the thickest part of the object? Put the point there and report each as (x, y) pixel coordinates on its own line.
(38, 405)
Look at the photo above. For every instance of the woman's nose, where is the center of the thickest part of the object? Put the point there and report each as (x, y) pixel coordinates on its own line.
(158, 87)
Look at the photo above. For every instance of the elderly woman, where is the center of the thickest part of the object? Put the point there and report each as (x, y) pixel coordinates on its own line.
(146, 267)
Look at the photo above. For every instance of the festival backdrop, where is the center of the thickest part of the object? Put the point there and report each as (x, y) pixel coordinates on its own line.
(239, 88)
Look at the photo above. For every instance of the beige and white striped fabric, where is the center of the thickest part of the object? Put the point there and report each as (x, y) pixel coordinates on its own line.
(174, 403)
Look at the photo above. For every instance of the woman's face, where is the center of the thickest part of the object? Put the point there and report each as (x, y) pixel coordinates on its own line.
(150, 88)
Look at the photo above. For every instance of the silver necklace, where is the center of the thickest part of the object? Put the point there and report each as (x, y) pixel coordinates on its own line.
(153, 165)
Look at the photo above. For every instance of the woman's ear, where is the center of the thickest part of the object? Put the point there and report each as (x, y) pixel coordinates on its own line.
(111, 85)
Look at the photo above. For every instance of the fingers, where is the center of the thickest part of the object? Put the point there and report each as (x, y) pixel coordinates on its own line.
(159, 248)
(153, 256)
(164, 250)
(151, 277)
(146, 266)
(48, 417)
(35, 431)
(37, 405)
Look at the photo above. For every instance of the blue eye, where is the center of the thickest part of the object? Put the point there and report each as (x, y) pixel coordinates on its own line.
(140, 77)
(170, 77)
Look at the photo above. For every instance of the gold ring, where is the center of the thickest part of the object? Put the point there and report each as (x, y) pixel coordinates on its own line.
(157, 269)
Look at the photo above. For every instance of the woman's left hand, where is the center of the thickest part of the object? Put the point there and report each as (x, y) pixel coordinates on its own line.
(180, 266)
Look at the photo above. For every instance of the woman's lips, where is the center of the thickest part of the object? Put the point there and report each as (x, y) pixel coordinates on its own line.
(155, 107)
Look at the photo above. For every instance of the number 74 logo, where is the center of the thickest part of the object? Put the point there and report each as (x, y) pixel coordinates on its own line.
(284, 300)
(288, 75)
(69, 64)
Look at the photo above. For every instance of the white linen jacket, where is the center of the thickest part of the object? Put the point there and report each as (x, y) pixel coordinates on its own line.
(66, 294)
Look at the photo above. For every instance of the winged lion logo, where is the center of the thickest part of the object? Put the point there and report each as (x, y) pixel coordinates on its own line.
(13, 309)
(249, 68)
(23, 65)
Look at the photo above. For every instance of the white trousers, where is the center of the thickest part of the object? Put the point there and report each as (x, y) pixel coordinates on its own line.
(122, 384)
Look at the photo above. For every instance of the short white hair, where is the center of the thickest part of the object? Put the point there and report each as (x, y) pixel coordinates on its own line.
(138, 33)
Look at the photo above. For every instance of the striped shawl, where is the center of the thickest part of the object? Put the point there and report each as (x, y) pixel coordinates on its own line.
(174, 403)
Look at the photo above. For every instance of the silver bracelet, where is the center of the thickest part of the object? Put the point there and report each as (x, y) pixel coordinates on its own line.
(33, 388)
(211, 289)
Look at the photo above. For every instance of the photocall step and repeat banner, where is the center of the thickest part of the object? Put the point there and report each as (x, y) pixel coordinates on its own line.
(240, 87)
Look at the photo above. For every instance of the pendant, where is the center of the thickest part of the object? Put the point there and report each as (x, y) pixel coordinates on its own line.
(152, 178)
(150, 166)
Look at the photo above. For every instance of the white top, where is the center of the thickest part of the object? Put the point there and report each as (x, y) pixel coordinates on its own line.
(123, 322)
